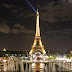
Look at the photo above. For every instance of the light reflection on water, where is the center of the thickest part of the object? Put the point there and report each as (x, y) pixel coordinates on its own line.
(38, 67)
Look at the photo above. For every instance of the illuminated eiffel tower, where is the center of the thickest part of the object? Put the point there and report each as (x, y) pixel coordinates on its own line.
(37, 45)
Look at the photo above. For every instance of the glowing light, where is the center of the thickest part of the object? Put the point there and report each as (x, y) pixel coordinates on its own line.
(60, 58)
(37, 25)
(4, 60)
(64, 59)
(31, 6)
(68, 60)
(33, 64)
(4, 49)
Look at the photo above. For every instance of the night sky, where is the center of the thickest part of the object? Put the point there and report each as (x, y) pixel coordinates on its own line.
(18, 21)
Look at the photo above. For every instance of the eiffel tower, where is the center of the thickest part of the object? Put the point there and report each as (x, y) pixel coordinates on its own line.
(37, 45)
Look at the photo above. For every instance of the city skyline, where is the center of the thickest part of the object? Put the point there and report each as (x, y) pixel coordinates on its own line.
(17, 24)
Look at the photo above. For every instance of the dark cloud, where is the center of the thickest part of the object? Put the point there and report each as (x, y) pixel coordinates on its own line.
(53, 13)
(18, 26)
(20, 29)
(7, 5)
(30, 15)
(70, 1)
(4, 28)
(64, 32)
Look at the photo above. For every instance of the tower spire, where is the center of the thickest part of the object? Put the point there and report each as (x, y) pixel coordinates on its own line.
(37, 25)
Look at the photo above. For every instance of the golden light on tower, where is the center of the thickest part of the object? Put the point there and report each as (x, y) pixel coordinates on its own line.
(37, 25)
(37, 45)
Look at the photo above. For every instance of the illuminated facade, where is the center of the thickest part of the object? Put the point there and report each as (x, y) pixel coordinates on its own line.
(37, 45)
(4, 49)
